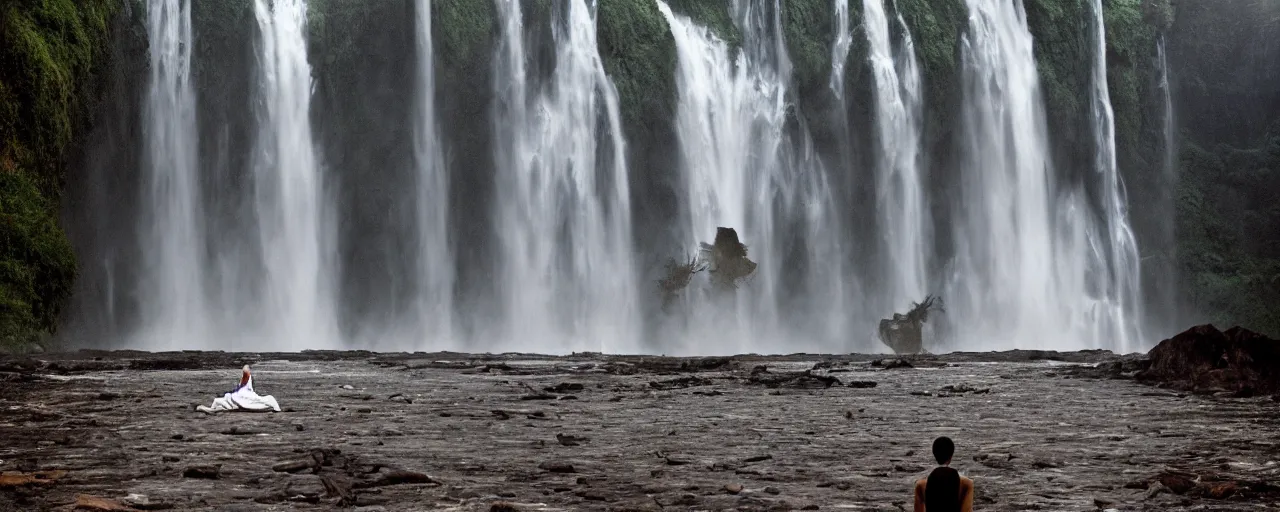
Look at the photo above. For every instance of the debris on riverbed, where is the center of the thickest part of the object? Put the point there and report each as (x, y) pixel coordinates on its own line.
(761, 376)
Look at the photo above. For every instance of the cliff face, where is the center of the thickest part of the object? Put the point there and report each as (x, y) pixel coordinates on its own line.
(53, 55)
(64, 60)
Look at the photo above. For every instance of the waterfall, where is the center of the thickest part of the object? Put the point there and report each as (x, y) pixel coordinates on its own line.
(1165, 289)
(435, 270)
(567, 279)
(1003, 292)
(1118, 314)
(174, 306)
(1038, 262)
(742, 170)
(290, 202)
(900, 197)
(840, 48)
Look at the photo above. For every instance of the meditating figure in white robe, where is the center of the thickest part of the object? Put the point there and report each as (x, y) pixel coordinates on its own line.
(242, 398)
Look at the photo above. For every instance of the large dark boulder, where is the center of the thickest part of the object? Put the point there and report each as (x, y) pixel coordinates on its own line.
(1206, 359)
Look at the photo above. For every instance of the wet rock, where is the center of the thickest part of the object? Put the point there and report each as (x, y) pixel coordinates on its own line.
(339, 486)
(1222, 491)
(563, 387)
(862, 384)
(210, 472)
(240, 431)
(107, 395)
(170, 458)
(538, 396)
(772, 490)
(965, 388)
(347, 387)
(1205, 359)
(757, 458)
(1155, 489)
(706, 363)
(496, 367)
(555, 466)
(395, 477)
(890, 364)
(761, 376)
(733, 488)
(682, 382)
(676, 460)
(502, 506)
(568, 440)
(1178, 484)
(87, 502)
(142, 502)
(296, 466)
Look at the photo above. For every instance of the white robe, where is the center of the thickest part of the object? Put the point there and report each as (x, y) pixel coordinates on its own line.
(243, 398)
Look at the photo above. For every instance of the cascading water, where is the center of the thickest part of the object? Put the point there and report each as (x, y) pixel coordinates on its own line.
(293, 224)
(563, 214)
(741, 170)
(1003, 292)
(900, 197)
(1035, 265)
(1163, 292)
(175, 307)
(1117, 316)
(435, 267)
(245, 255)
(840, 48)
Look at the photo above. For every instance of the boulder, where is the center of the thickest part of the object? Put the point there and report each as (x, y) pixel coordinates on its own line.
(1205, 359)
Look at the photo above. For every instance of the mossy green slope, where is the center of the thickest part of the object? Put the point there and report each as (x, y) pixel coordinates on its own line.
(809, 28)
(639, 54)
(50, 55)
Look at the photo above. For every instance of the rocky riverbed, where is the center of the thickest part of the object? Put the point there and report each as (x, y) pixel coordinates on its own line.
(1036, 431)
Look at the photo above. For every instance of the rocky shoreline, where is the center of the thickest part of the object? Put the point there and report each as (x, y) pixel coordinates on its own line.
(443, 431)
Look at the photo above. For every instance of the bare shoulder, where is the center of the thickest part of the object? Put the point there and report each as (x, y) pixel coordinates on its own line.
(920, 485)
(966, 483)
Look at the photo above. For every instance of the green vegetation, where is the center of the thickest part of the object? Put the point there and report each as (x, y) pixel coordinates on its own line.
(1131, 46)
(463, 31)
(37, 267)
(50, 57)
(639, 54)
(935, 27)
(1064, 56)
(713, 15)
(809, 27)
(1229, 232)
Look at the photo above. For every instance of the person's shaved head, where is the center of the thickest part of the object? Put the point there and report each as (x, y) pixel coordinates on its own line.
(943, 449)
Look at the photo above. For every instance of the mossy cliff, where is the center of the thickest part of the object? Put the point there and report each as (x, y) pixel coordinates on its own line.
(51, 55)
